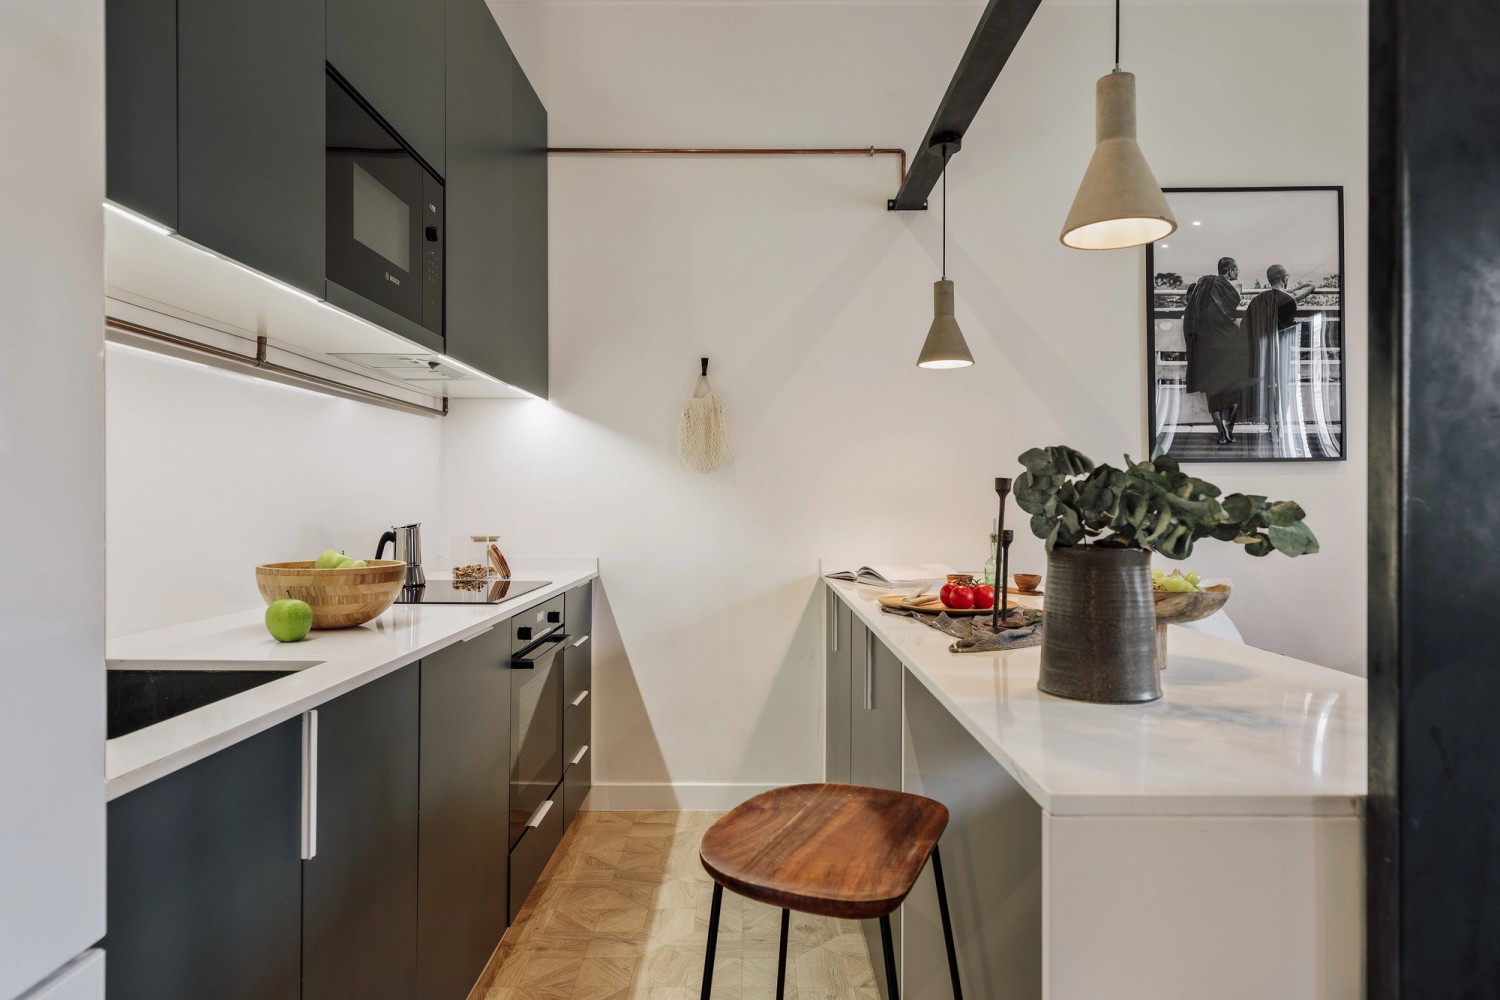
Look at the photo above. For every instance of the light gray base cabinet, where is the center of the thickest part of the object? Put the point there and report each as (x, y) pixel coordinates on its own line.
(864, 695)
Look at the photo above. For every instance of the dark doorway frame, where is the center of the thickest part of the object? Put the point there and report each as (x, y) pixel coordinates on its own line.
(1433, 815)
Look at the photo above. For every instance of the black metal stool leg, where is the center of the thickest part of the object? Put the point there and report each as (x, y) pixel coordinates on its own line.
(786, 921)
(713, 939)
(890, 958)
(937, 872)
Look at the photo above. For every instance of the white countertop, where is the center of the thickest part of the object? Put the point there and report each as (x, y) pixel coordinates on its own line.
(346, 659)
(1239, 730)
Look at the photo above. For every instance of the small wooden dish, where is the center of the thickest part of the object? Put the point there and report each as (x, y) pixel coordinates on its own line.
(1180, 607)
(340, 598)
(1175, 607)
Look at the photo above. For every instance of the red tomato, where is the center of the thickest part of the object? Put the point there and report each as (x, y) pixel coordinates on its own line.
(946, 593)
(984, 596)
(962, 597)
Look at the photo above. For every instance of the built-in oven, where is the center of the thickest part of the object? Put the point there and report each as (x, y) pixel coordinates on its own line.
(536, 707)
(384, 245)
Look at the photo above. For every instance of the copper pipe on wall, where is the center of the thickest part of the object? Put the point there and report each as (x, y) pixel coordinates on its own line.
(680, 151)
(259, 363)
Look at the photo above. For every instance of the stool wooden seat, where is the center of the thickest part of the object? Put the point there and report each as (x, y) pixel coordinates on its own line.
(847, 851)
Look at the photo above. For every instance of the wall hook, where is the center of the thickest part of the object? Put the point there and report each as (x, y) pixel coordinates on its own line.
(705, 366)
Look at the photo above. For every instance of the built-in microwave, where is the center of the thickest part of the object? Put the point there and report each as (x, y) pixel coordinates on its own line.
(384, 249)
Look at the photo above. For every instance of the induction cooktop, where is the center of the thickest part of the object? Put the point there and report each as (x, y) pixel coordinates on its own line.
(468, 592)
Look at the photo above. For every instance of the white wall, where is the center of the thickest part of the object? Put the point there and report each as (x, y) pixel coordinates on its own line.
(812, 301)
(51, 487)
(211, 472)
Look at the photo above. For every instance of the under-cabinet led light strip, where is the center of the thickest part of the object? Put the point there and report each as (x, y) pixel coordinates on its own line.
(158, 228)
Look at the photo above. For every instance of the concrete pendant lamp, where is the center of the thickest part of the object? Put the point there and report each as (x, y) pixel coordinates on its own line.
(1119, 204)
(945, 346)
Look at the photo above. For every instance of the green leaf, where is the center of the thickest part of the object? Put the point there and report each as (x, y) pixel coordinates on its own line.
(1283, 513)
(1293, 540)
(1036, 461)
(1239, 507)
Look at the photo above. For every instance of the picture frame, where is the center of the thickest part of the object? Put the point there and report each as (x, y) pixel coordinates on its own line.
(1246, 314)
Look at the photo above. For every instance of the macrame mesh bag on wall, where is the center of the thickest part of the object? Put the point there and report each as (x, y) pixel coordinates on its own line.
(705, 437)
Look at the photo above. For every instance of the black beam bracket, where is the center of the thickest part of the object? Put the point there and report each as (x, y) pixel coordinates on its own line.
(995, 36)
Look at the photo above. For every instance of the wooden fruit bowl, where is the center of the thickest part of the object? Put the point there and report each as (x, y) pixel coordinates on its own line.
(340, 598)
(1180, 607)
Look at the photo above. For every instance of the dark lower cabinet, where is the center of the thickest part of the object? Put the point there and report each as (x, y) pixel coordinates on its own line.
(250, 133)
(410, 876)
(465, 788)
(359, 889)
(544, 832)
(205, 878)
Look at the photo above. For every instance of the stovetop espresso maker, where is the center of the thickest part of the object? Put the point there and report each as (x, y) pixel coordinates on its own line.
(407, 541)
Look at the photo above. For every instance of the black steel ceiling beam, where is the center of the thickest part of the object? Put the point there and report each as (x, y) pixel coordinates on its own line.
(995, 38)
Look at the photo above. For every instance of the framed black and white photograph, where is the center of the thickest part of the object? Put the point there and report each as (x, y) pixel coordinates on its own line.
(1245, 326)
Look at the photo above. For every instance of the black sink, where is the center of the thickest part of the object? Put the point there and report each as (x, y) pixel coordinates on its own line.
(142, 693)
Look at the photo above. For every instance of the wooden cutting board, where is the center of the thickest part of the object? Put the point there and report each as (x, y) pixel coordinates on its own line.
(930, 604)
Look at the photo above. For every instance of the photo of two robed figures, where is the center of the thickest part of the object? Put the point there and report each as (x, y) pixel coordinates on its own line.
(1245, 326)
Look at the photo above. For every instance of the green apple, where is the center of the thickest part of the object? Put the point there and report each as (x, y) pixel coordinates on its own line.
(329, 559)
(288, 620)
(354, 564)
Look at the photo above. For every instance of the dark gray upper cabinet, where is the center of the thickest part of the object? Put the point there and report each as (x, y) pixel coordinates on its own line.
(495, 187)
(359, 889)
(479, 188)
(205, 879)
(465, 805)
(526, 355)
(250, 133)
(140, 45)
(391, 52)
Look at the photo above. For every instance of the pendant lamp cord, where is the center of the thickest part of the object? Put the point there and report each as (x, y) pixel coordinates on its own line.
(1117, 36)
(945, 213)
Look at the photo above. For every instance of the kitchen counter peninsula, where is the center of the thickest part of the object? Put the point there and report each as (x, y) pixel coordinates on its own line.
(341, 660)
(1205, 845)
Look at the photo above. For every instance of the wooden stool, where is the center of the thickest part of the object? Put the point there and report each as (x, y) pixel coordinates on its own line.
(844, 851)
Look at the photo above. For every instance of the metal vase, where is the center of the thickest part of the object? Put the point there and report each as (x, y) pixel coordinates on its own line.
(1099, 638)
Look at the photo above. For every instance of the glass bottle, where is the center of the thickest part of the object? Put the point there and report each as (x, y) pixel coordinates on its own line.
(991, 563)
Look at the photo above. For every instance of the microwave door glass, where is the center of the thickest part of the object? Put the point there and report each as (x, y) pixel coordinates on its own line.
(382, 221)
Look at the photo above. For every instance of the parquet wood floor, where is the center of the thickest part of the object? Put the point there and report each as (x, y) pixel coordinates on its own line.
(621, 913)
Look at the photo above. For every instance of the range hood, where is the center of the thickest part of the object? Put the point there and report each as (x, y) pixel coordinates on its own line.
(160, 282)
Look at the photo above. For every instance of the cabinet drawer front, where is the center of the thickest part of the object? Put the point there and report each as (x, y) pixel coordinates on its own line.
(534, 850)
(577, 722)
(529, 626)
(580, 606)
(578, 667)
(576, 785)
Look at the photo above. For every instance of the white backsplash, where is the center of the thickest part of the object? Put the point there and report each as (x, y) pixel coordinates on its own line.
(209, 473)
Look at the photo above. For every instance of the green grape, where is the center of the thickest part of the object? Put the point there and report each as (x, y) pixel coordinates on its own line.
(1194, 578)
(1157, 574)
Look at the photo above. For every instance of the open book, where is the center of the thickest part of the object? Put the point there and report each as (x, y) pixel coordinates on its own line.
(896, 576)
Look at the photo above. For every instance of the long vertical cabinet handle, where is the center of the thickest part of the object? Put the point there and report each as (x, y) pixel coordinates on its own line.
(833, 617)
(310, 785)
(870, 672)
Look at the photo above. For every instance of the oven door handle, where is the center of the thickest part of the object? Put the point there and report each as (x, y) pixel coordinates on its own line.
(550, 646)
